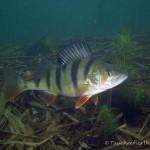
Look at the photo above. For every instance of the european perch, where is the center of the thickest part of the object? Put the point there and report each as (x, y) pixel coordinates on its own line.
(77, 74)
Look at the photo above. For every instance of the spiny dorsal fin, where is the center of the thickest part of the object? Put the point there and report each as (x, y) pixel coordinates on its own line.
(73, 51)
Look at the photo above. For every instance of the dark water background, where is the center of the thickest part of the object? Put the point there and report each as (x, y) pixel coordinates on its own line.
(27, 20)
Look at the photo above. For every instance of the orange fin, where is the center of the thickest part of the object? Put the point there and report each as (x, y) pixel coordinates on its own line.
(81, 101)
(48, 98)
(95, 99)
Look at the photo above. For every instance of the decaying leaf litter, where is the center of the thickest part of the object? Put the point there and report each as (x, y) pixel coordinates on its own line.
(27, 123)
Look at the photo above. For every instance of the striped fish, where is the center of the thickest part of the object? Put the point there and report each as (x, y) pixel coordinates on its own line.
(77, 74)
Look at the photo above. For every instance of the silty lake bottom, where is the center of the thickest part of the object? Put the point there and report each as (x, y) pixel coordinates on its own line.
(119, 121)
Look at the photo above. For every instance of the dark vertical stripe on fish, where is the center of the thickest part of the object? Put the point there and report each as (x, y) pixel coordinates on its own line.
(37, 82)
(74, 72)
(64, 67)
(58, 78)
(48, 79)
(87, 67)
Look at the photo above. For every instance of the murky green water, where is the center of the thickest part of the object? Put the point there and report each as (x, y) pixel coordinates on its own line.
(28, 20)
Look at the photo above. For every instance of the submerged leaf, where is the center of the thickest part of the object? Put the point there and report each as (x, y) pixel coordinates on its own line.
(15, 123)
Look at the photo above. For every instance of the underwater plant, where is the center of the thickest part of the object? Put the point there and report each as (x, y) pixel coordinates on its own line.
(123, 50)
(139, 93)
(125, 39)
(107, 120)
(141, 96)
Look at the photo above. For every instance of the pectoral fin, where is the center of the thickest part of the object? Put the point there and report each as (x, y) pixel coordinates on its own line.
(81, 101)
(95, 99)
(48, 98)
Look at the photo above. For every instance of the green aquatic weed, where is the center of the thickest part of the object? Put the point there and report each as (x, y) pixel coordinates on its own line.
(125, 39)
(139, 97)
(123, 51)
(107, 119)
(139, 92)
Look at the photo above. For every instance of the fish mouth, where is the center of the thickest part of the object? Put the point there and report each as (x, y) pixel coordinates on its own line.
(119, 80)
(124, 76)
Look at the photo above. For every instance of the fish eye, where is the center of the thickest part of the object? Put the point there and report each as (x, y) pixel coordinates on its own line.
(109, 73)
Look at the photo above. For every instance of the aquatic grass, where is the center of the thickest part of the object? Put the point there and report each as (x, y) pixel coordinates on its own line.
(128, 54)
(139, 93)
(107, 120)
(141, 96)
(124, 51)
(125, 40)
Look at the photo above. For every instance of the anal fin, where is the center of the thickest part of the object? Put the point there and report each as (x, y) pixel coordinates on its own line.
(48, 98)
(81, 101)
(95, 99)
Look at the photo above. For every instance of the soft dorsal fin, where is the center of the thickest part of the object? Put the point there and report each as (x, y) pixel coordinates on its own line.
(73, 51)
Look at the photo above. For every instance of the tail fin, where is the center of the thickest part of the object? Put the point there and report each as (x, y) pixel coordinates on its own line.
(13, 84)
